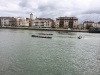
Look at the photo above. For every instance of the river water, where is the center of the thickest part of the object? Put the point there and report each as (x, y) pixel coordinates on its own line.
(63, 54)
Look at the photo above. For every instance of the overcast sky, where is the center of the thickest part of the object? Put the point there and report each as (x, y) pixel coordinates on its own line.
(82, 9)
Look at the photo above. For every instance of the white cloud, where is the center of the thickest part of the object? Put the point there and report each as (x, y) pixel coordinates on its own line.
(82, 9)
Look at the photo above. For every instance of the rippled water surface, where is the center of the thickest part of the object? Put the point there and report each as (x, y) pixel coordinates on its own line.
(64, 54)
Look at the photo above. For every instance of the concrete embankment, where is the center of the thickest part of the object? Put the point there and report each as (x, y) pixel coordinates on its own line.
(44, 29)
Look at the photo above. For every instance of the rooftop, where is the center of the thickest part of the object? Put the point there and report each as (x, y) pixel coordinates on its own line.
(66, 18)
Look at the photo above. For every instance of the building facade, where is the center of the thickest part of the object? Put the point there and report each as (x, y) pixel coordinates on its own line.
(22, 22)
(80, 26)
(87, 24)
(67, 22)
(7, 21)
(42, 23)
(97, 24)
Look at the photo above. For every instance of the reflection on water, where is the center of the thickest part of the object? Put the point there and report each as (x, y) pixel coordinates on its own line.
(64, 54)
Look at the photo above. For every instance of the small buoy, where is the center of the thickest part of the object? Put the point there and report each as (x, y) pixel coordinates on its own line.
(79, 37)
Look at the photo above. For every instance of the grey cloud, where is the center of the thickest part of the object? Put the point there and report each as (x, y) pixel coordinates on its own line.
(47, 6)
(12, 11)
(91, 14)
(92, 11)
(24, 3)
(52, 9)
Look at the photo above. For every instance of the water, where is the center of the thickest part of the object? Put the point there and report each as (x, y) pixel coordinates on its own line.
(64, 54)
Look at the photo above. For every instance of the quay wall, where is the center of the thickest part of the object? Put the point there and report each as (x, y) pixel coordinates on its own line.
(44, 29)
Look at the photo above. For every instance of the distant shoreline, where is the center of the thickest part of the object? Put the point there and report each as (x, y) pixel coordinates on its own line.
(44, 29)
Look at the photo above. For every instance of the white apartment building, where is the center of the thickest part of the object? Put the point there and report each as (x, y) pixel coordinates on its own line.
(97, 24)
(87, 23)
(7, 21)
(91, 23)
(21, 22)
(42, 23)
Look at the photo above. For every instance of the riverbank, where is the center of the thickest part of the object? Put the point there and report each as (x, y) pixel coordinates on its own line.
(45, 29)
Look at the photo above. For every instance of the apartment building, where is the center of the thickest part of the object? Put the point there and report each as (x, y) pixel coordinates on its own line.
(97, 24)
(67, 22)
(22, 22)
(80, 26)
(42, 23)
(7, 21)
(87, 23)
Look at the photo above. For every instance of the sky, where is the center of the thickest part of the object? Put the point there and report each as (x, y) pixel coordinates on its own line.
(82, 9)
